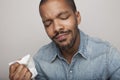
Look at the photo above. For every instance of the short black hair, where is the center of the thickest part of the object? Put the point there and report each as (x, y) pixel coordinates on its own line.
(70, 2)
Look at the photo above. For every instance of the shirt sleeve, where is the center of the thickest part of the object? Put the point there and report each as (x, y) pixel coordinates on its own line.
(41, 75)
(114, 64)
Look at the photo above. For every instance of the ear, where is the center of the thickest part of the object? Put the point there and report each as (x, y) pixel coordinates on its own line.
(77, 13)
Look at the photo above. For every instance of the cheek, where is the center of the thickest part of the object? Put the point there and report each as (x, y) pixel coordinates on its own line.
(49, 32)
(71, 23)
(68, 22)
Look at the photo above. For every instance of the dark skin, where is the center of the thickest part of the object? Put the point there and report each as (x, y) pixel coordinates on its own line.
(19, 72)
(61, 25)
(64, 19)
(71, 51)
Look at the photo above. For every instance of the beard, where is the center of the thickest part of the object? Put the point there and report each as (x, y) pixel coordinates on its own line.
(71, 41)
(68, 46)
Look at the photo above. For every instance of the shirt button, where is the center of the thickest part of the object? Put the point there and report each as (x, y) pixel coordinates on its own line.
(70, 71)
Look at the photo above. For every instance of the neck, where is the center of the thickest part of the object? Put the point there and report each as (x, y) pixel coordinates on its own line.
(69, 53)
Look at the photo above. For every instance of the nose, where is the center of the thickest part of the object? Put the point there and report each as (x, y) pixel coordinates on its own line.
(58, 26)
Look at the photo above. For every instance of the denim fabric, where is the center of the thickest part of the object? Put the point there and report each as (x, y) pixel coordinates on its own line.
(95, 60)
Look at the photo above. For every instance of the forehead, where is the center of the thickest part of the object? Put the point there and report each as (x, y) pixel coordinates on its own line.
(54, 2)
(54, 7)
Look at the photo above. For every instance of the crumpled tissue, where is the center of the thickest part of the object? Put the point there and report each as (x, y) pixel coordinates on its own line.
(28, 61)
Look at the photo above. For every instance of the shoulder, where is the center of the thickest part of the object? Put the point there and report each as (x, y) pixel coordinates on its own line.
(45, 52)
(96, 43)
(96, 47)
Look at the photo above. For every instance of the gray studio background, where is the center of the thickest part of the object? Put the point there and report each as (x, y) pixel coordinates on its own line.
(22, 32)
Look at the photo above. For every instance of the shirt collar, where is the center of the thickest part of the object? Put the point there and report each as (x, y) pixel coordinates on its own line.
(82, 48)
(83, 44)
(55, 53)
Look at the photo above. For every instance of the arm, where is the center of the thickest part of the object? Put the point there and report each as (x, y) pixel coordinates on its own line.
(41, 75)
(114, 64)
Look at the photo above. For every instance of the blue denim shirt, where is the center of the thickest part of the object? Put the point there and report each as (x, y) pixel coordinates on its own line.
(95, 60)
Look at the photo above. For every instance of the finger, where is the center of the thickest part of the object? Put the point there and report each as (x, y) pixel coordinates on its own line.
(28, 76)
(13, 67)
(16, 74)
(19, 68)
(23, 73)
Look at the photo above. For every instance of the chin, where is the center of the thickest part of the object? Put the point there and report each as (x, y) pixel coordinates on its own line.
(65, 46)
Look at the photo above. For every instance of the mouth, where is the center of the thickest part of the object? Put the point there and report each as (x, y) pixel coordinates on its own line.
(61, 37)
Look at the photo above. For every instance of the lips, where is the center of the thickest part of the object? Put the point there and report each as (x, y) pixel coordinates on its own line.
(61, 37)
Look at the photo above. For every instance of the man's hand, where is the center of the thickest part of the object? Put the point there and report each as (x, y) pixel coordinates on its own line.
(19, 72)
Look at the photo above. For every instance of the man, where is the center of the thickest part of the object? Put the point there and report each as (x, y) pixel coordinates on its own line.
(72, 55)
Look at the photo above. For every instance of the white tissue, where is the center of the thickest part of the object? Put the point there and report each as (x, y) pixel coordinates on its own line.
(28, 61)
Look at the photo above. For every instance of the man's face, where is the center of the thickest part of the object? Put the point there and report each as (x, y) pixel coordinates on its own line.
(60, 22)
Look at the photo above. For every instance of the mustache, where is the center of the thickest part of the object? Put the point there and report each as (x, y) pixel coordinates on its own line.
(61, 32)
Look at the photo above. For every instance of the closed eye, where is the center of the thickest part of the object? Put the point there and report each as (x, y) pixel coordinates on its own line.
(64, 15)
(47, 23)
